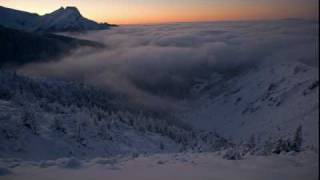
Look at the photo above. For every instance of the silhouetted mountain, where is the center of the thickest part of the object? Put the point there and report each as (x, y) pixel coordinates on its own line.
(19, 47)
(63, 19)
(68, 19)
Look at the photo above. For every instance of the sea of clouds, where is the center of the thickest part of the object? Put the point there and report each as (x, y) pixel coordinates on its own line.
(155, 64)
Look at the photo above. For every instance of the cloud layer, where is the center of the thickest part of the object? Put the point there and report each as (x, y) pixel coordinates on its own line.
(156, 64)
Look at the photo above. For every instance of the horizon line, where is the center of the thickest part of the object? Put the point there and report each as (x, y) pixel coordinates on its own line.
(225, 20)
(182, 21)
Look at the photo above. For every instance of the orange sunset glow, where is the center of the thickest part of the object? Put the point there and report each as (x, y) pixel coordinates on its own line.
(157, 11)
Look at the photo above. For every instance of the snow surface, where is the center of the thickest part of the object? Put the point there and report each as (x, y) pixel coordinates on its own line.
(68, 19)
(268, 102)
(44, 119)
(183, 166)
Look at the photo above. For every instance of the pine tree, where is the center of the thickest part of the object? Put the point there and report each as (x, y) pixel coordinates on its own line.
(252, 142)
(297, 141)
(29, 121)
(161, 146)
(57, 125)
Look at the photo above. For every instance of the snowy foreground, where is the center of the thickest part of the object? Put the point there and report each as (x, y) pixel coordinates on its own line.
(168, 166)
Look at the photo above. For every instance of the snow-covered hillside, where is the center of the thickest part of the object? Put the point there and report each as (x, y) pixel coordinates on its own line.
(268, 102)
(48, 119)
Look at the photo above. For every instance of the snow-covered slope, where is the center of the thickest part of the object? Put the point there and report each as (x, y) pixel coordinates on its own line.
(18, 19)
(63, 19)
(183, 166)
(268, 102)
(68, 19)
(48, 119)
(32, 134)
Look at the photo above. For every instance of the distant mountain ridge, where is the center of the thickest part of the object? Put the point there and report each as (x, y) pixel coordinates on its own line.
(61, 20)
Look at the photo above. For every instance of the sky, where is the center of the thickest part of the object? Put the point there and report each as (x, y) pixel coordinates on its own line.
(162, 11)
